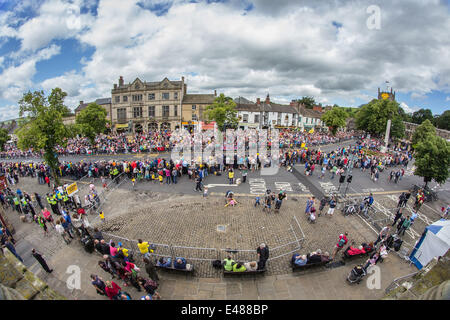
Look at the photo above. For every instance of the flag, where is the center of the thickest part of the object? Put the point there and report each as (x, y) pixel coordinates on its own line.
(311, 131)
(303, 145)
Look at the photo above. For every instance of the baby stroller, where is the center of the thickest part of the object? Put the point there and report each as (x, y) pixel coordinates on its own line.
(356, 274)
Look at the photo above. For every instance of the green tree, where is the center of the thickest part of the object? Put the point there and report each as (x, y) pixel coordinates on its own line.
(432, 159)
(92, 121)
(43, 128)
(422, 133)
(223, 112)
(4, 137)
(405, 116)
(308, 102)
(373, 118)
(443, 121)
(335, 119)
(422, 115)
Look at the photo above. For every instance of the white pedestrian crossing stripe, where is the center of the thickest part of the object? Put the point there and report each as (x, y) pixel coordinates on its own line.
(285, 186)
(257, 185)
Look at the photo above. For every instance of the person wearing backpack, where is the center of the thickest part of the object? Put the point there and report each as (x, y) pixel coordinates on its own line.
(341, 243)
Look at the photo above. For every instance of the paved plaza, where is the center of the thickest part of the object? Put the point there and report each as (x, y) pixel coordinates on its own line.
(181, 222)
(191, 221)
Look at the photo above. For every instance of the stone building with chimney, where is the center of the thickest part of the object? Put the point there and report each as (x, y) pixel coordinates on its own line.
(141, 106)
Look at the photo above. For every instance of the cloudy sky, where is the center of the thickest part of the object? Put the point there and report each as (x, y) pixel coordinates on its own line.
(337, 51)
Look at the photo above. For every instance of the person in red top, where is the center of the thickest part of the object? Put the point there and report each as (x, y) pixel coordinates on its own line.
(341, 243)
(47, 181)
(112, 290)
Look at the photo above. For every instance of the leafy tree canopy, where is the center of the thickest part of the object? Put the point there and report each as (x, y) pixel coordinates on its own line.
(43, 127)
(335, 118)
(308, 102)
(373, 118)
(92, 121)
(422, 115)
(443, 121)
(4, 137)
(432, 159)
(422, 133)
(223, 112)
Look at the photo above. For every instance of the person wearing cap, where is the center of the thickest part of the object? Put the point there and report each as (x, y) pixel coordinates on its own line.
(341, 243)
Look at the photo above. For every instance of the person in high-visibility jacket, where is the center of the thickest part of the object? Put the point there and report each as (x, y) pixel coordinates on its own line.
(228, 264)
(53, 204)
(66, 201)
(17, 204)
(239, 267)
(115, 174)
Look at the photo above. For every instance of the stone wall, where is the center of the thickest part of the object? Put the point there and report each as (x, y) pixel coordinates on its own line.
(432, 282)
(17, 283)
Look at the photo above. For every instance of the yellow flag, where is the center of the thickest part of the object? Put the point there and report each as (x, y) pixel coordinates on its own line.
(312, 130)
(303, 145)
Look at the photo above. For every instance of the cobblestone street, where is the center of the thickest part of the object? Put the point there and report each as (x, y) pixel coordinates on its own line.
(192, 221)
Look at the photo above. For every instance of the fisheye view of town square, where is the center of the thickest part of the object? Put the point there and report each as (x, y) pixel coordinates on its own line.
(242, 151)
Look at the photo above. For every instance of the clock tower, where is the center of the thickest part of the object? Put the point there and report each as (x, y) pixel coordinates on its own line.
(386, 95)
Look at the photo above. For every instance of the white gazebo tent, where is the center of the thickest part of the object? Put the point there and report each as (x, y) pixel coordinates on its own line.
(435, 242)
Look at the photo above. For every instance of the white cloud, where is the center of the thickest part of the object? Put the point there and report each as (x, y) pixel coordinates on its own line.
(408, 109)
(56, 19)
(447, 99)
(16, 79)
(284, 48)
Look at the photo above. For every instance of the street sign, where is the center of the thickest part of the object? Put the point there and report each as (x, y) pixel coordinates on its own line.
(73, 188)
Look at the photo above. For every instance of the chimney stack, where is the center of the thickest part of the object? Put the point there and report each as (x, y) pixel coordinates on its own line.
(81, 102)
(182, 79)
(215, 93)
(120, 81)
(115, 85)
(267, 99)
(258, 101)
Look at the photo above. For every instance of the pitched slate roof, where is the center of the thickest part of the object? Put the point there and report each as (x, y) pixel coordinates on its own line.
(198, 98)
(100, 102)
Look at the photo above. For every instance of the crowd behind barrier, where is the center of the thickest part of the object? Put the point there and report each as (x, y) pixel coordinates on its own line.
(160, 141)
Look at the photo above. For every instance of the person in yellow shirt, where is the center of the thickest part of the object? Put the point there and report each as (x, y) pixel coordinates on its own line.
(143, 248)
(231, 176)
(102, 216)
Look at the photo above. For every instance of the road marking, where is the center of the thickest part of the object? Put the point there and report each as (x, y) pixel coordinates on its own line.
(378, 193)
(328, 187)
(220, 185)
(260, 194)
(285, 186)
(257, 186)
(372, 190)
(303, 188)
